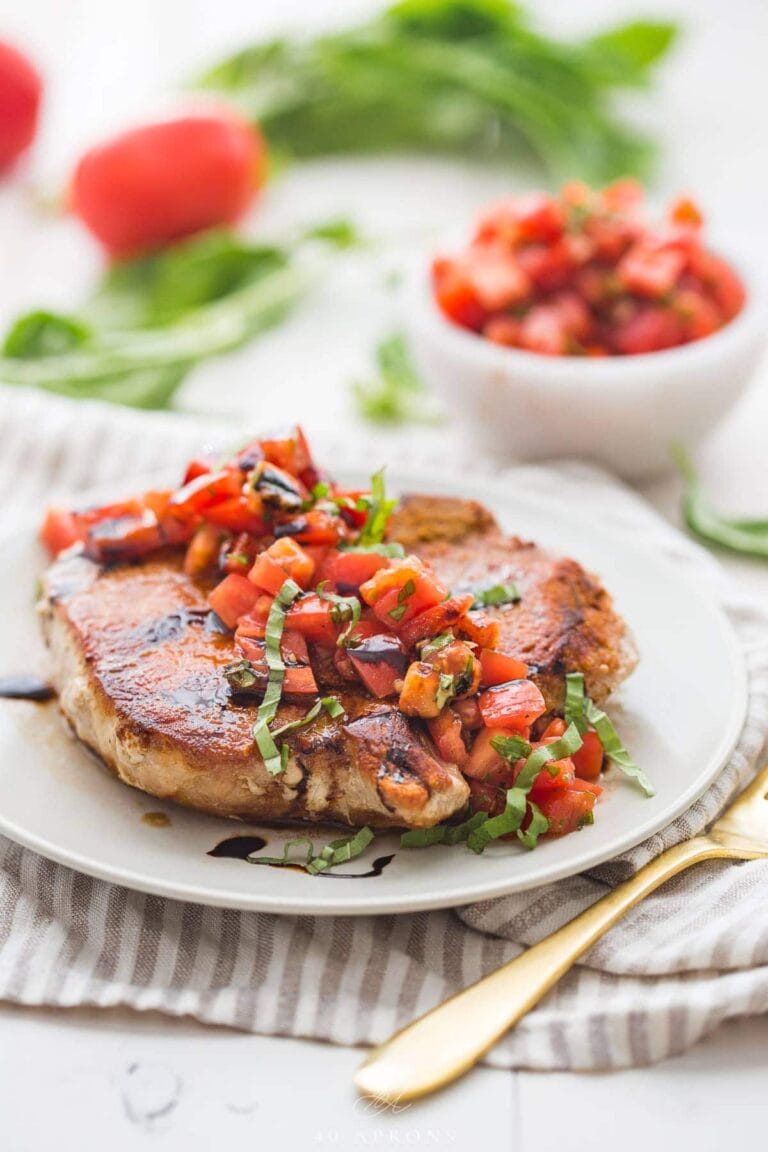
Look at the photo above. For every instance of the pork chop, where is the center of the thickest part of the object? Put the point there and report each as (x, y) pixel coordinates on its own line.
(138, 659)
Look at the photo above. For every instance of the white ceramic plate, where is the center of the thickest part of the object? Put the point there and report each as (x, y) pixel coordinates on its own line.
(680, 714)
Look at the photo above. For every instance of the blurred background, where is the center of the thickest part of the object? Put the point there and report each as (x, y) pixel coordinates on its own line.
(107, 66)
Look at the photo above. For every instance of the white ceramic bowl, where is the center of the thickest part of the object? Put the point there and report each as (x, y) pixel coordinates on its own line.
(621, 411)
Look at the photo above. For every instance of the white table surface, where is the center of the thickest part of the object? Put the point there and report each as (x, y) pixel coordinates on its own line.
(92, 1080)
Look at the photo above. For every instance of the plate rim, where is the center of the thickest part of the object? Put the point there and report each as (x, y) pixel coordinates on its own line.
(221, 897)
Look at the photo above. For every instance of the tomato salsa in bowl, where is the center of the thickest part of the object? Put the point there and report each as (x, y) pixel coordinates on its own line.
(571, 325)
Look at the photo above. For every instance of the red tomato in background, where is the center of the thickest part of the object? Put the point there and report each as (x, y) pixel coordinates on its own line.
(152, 185)
(20, 93)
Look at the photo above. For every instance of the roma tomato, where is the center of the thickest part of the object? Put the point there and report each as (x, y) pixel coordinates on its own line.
(60, 529)
(379, 662)
(153, 185)
(498, 668)
(401, 591)
(567, 809)
(20, 94)
(435, 620)
(445, 730)
(346, 571)
(312, 617)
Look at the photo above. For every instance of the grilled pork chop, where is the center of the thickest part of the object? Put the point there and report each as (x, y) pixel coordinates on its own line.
(138, 664)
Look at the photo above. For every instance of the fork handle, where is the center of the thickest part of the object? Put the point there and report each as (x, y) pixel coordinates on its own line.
(446, 1042)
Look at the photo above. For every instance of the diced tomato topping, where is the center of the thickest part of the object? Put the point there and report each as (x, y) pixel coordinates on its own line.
(283, 560)
(403, 590)
(203, 550)
(554, 730)
(312, 616)
(557, 774)
(205, 490)
(446, 730)
(289, 452)
(484, 761)
(293, 647)
(514, 705)
(421, 690)
(235, 515)
(498, 668)
(435, 620)
(235, 596)
(346, 571)
(469, 713)
(60, 530)
(316, 527)
(588, 761)
(544, 274)
(253, 626)
(379, 662)
(298, 679)
(480, 629)
(239, 554)
(566, 809)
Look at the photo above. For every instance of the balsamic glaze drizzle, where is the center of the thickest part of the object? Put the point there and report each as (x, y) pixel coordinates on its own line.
(241, 847)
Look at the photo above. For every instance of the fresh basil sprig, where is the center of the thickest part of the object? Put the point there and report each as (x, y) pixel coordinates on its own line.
(378, 512)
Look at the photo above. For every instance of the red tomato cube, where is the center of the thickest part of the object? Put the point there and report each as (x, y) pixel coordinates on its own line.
(513, 705)
(234, 597)
(283, 560)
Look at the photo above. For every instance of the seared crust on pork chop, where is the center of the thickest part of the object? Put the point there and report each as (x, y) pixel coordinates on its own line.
(138, 664)
(565, 620)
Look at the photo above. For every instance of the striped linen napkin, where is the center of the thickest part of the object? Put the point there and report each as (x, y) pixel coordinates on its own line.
(690, 956)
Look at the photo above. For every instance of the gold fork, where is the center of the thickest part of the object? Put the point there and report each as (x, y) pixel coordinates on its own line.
(446, 1042)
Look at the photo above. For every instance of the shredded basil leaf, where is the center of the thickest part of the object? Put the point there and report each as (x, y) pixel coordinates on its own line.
(379, 509)
(496, 595)
(749, 537)
(537, 827)
(398, 611)
(340, 851)
(286, 861)
(240, 675)
(575, 701)
(615, 750)
(446, 690)
(430, 647)
(511, 748)
(332, 706)
(442, 833)
(268, 707)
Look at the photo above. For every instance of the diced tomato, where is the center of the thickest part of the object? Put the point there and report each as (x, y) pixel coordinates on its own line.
(346, 571)
(235, 596)
(458, 661)
(446, 730)
(484, 761)
(574, 314)
(235, 515)
(380, 662)
(401, 591)
(700, 316)
(298, 679)
(253, 626)
(293, 647)
(456, 295)
(566, 809)
(469, 713)
(650, 329)
(554, 730)
(210, 488)
(420, 691)
(289, 452)
(435, 620)
(497, 279)
(650, 270)
(588, 761)
(685, 211)
(124, 537)
(721, 280)
(480, 629)
(542, 330)
(203, 550)
(312, 617)
(199, 466)
(60, 529)
(498, 668)
(283, 560)
(239, 554)
(503, 330)
(486, 797)
(548, 268)
(316, 527)
(557, 774)
(514, 705)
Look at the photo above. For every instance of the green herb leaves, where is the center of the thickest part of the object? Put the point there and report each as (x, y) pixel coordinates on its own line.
(273, 760)
(398, 395)
(469, 77)
(496, 595)
(749, 537)
(378, 513)
(333, 854)
(582, 713)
